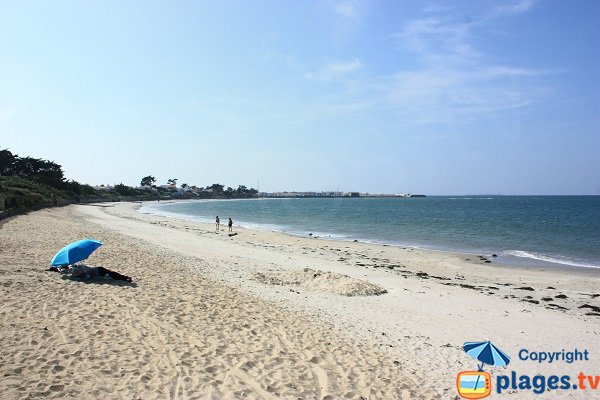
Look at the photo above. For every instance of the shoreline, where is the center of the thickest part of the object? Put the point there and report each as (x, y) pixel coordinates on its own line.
(504, 261)
(440, 265)
(199, 323)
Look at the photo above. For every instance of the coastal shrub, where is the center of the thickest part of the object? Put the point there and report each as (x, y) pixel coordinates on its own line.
(22, 200)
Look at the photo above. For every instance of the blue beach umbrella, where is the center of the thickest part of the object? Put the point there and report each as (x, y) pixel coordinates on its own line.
(487, 353)
(75, 252)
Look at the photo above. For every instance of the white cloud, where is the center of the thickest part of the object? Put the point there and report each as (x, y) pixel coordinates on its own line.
(432, 38)
(333, 71)
(346, 10)
(517, 7)
(455, 82)
(501, 71)
(435, 95)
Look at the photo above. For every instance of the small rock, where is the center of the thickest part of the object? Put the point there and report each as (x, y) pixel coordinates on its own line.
(525, 288)
(593, 308)
(553, 306)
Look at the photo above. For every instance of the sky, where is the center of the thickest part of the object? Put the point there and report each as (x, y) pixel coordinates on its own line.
(449, 97)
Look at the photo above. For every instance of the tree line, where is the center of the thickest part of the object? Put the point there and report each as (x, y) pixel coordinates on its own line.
(36, 169)
(28, 182)
(216, 190)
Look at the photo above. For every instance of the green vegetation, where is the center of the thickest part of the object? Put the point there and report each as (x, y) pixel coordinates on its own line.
(28, 183)
(17, 192)
(217, 191)
(148, 181)
(20, 194)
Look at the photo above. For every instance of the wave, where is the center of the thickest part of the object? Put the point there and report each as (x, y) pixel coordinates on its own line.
(546, 258)
(471, 198)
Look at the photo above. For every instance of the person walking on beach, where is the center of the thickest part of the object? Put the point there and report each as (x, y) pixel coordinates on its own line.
(218, 222)
(230, 225)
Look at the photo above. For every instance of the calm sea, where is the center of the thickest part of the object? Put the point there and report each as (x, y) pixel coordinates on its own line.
(525, 230)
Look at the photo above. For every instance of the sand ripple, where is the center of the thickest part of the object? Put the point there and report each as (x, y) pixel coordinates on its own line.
(173, 334)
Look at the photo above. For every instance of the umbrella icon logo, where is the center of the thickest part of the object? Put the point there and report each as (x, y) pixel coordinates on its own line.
(478, 384)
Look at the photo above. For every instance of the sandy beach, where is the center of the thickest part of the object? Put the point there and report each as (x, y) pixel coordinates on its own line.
(265, 315)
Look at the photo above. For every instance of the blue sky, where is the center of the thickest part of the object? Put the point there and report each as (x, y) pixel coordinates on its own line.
(426, 97)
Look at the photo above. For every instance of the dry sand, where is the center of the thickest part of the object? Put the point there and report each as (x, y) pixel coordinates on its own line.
(264, 315)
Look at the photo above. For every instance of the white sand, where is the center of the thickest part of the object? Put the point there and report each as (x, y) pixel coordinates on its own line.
(324, 281)
(199, 324)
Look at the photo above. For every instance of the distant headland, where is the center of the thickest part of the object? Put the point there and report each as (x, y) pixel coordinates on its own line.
(28, 183)
(335, 194)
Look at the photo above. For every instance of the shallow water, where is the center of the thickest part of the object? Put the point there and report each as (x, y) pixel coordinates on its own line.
(532, 230)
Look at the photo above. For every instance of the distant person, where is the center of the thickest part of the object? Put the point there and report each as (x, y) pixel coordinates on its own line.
(230, 225)
(218, 222)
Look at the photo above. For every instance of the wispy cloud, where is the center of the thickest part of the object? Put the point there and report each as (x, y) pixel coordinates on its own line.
(432, 37)
(346, 10)
(435, 95)
(335, 70)
(435, 8)
(455, 80)
(517, 7)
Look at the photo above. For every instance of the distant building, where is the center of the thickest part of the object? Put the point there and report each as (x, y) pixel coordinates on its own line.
(302, 194)
(332, 194)
(103, 187)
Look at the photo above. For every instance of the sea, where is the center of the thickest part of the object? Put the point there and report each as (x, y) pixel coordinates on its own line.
(555, 231)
